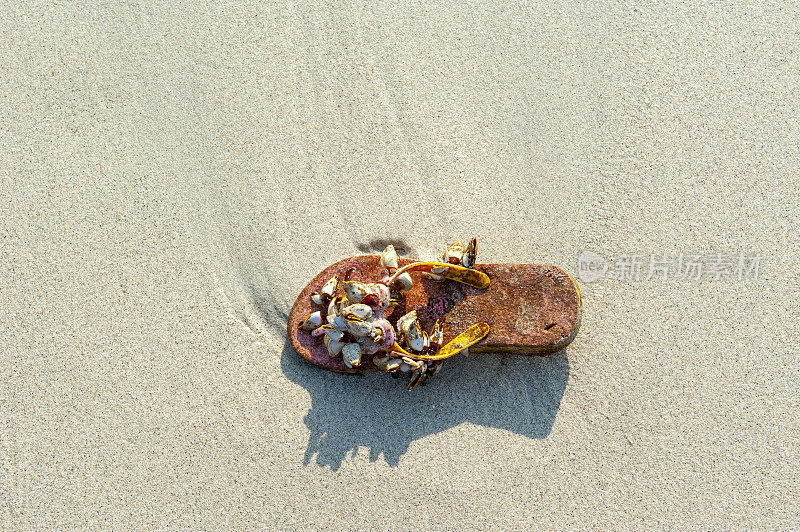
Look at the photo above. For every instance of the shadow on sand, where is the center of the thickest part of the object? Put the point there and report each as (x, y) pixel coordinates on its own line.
(515, 393)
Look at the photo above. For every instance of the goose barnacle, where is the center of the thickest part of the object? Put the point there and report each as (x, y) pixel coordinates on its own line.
(312, 321)
(351, 353)
(389, 259)
(329, 288)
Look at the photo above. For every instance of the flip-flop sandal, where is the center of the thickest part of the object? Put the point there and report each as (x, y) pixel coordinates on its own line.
(366, 313)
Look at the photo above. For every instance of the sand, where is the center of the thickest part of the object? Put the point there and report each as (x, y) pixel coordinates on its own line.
(173, 174)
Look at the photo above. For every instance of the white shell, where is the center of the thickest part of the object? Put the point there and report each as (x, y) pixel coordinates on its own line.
(334, 347)
(468, 260)
(437, 271)
(334, 334)
(340, 323)
(358, 327)
(351, 353)
(329, 288)
(312, 321)
(355, 291)
(405, 322)
(393, 364)
(389, 258)
(368, 345)
(415, 338)
(333, 308)
(359, 310)
(317, 299)
(454, 252)
(405, 281)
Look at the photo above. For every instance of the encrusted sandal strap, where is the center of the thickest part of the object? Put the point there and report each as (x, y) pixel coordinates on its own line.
(453, 272)
(470, 337)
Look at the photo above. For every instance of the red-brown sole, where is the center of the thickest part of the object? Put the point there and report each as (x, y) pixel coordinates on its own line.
(531, 309)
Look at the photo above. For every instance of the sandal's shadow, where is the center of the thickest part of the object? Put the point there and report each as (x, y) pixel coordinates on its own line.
(515, 393)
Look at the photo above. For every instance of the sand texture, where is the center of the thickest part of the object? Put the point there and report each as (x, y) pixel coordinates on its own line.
(172, 174)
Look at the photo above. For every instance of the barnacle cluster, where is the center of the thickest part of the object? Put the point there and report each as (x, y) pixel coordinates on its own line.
(353, 324)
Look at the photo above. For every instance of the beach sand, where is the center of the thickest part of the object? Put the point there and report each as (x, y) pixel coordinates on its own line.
(172, 176)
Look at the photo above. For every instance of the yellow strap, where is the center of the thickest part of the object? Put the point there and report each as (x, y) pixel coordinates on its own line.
(453, 272)
(471, 336)
(396, 347)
